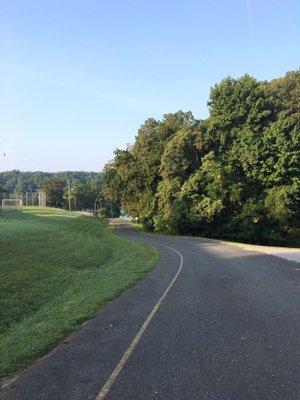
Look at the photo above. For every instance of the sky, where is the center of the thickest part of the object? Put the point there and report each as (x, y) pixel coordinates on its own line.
(78, 77)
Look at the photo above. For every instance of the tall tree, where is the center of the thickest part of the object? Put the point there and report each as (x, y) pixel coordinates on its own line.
(54, 189)
(235, 174)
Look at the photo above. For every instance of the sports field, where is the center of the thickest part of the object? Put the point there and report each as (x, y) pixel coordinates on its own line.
(57, 269)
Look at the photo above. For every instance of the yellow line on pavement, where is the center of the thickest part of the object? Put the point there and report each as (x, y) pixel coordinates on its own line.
(105, 389)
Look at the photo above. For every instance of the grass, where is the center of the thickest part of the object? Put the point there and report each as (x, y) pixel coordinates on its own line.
(57, 269)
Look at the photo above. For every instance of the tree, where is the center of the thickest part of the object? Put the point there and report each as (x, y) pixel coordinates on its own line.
(17, 182)
(285, 92)
(54, 189)
(235, 174)
(180, 158)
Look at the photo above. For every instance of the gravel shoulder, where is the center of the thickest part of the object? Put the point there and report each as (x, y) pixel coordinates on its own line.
(288, 253)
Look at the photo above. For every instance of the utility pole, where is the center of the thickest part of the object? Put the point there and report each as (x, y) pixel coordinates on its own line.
(95, 209)
(69, 184)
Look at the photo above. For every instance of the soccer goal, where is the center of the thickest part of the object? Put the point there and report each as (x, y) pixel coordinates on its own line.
(11, 204)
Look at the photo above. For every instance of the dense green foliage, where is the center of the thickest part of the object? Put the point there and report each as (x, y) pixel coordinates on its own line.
(235, 174)
(57, 269)
(19, 182)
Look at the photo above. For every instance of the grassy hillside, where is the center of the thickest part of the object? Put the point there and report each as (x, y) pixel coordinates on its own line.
(58, 269)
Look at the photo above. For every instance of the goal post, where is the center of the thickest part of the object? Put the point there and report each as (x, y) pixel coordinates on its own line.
(11, 204)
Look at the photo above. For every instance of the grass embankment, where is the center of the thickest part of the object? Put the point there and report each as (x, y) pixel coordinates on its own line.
(57, 269)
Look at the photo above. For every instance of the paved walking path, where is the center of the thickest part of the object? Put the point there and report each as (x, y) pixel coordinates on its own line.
(289, 253)
(210, 322)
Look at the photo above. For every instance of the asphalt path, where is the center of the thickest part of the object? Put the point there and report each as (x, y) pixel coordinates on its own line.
(211, 321)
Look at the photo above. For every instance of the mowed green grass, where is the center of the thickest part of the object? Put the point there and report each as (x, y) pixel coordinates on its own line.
(57, 269)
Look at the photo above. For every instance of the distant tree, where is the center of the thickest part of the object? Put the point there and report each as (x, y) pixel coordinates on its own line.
(54, 189)
(85, 195)
(21, 182)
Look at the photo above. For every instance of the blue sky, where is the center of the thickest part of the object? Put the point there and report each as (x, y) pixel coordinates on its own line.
(78, 77)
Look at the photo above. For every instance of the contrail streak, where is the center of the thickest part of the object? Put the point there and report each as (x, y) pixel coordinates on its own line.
(250, 16)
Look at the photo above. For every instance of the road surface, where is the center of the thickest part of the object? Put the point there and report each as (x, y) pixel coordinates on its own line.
(210, 322)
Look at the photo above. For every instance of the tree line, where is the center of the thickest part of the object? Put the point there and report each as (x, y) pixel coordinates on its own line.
(233, 175)
(84, 188)
(19, 182)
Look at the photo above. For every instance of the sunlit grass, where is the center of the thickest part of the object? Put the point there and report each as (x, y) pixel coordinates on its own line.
(57, 269)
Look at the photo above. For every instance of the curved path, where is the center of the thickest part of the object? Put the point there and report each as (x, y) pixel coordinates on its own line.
(211, 321)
